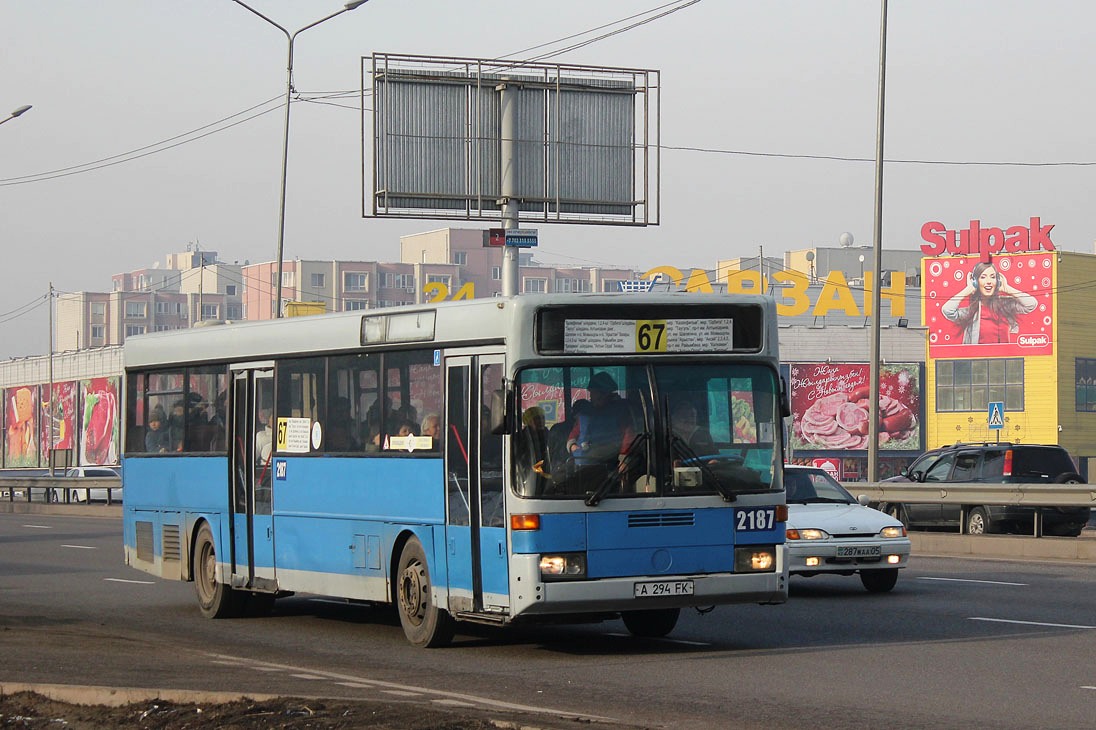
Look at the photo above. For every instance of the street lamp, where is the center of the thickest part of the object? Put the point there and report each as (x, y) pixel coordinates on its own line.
(353, 5)
(18, 112)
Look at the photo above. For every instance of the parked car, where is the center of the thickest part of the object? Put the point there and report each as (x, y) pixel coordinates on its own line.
(998, 463)
(97, 494)
(830, 532)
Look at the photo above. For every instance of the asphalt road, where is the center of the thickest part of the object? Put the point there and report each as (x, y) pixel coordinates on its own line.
(959, 643)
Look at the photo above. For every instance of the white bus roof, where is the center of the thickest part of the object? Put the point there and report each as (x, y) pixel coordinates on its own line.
(469, 321)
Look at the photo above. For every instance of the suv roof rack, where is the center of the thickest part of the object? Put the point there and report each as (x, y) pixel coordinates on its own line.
(962, 444)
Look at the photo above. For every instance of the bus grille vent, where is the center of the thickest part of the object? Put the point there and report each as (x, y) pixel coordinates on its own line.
(661, 519)
(144, 542)
(172, 547)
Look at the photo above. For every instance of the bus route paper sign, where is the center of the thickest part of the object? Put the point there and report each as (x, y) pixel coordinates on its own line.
(294, 435)
(632, 336)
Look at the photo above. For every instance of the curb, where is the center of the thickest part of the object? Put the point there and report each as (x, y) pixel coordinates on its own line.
(77, 694)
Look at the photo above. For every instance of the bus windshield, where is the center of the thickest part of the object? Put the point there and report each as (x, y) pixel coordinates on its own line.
(596, 432)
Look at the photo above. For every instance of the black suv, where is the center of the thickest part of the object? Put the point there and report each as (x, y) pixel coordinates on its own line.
(992, 462)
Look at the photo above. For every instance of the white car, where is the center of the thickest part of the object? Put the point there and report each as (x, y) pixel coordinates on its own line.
(97, 494)
(830, 532)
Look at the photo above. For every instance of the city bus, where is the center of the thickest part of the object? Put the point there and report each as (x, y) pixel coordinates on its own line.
(434, 458)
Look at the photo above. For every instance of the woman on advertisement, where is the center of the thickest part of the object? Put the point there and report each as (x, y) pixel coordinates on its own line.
(990, 316)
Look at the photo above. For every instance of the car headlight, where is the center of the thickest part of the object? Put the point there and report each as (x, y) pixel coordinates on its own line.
(892, 532)
(808, 533)
(563, 566)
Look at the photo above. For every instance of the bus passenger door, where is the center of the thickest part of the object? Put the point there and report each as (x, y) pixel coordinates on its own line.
(252, 477)
(476, 550)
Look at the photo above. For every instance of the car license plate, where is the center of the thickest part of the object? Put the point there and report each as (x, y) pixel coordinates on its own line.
(858, 551)
(650, 589)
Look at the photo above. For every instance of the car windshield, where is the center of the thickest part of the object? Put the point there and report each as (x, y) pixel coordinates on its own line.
(812, 486)
(645, 430)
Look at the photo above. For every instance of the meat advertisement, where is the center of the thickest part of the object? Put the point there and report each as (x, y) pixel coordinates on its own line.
(99, 442)
(21, 426)
(830, 405)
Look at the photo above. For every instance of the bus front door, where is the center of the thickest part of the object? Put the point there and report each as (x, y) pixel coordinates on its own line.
(476, 550)
(252, 477)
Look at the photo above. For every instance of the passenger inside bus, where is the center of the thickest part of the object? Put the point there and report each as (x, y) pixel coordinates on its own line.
(601, 435)
(431, 426)
(264, 442)
(340, 427)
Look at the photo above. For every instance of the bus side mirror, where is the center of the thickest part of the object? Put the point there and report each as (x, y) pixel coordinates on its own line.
(498, 420)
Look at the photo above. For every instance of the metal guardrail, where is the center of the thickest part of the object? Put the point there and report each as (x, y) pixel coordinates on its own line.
(973, 494)
(1026, 495)
(42, 489)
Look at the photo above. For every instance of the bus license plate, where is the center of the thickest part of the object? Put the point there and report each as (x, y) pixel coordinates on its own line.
(664, 588)
(858, 551)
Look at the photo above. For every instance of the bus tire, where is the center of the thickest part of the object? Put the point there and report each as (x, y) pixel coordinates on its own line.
(651, 623)
(424, 623)
(216, 600)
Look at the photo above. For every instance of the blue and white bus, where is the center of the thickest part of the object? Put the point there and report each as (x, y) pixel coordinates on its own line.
(433, 457)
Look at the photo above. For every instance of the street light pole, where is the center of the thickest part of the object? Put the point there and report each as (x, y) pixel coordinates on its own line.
(876, 294)
(18, 112)
(290, 37)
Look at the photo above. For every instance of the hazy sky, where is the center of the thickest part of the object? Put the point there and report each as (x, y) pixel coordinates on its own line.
(768, 83)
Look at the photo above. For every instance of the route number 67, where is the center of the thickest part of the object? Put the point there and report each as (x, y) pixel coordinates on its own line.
(651, 335)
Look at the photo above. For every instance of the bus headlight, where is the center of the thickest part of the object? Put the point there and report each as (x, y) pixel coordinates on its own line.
(563, 566)
(755, 559)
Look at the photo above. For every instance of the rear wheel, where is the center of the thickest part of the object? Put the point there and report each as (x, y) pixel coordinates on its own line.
(424, 624)
(879, 581)
(215, 599)
(1069, 477)
(977, 522)
(653, 623)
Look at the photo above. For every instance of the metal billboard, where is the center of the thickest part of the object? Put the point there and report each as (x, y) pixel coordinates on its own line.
(585, 141)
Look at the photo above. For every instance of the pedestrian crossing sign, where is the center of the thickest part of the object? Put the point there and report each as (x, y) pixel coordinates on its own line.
(996, 416)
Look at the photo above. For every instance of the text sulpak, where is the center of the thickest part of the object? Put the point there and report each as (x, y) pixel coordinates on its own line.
(978, 241)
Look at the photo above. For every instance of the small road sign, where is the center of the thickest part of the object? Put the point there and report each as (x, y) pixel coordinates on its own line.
(996, 416)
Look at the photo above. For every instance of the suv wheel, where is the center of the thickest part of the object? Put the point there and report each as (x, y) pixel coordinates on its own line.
(896, 511)
(1070, 477)
(977, 522)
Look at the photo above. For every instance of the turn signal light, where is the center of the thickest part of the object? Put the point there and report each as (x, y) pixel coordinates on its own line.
(524, 522)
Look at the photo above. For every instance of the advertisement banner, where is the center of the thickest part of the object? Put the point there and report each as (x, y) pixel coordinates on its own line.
(830, 406)
(998, 308)
(100, 424)
(21, 426)
(58, 418)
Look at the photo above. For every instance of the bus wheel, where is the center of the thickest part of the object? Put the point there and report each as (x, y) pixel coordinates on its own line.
(653, 623)
(215, 599)
(424, 623)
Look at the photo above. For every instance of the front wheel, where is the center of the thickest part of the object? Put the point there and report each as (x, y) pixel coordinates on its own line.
(977, 522)
(879, 581)
(216, 600)
(896, 511)
(651, 623)
(424, 624)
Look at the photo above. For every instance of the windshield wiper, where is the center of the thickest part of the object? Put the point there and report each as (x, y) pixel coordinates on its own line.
(688, 455)
(615, 473)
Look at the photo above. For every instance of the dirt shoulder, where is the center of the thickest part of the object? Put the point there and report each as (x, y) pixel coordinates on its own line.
(32, 710)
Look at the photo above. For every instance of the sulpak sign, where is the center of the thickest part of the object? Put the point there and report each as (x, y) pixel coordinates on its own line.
(982, 242)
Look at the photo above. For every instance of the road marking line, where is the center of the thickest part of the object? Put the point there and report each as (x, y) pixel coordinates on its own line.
(452, 703)
(355, 685)
(1085, 686)
(480, 701)
(401, 693)
(307, 676)
(138, 582)
(80, 547)
(1030, 623)
(39, 527)
(972, 580)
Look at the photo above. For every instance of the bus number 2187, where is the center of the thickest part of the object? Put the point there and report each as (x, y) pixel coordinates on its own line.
(755, 520)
